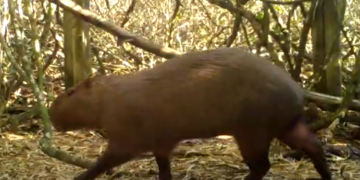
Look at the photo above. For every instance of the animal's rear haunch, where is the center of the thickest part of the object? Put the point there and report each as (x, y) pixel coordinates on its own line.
(226, 91)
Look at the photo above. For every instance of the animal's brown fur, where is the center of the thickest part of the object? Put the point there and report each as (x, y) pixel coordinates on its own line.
(225, 91)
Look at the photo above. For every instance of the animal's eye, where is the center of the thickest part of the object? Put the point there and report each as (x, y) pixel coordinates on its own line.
(70, 92)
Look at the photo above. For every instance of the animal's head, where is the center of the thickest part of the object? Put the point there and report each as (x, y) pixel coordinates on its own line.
(77, 108)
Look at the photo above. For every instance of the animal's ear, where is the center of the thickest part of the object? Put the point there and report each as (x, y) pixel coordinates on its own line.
(88, 83)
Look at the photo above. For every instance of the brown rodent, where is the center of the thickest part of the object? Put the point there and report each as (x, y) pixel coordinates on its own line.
(226, 91)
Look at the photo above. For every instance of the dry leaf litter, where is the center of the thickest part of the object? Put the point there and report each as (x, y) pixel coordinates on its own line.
(210, 159)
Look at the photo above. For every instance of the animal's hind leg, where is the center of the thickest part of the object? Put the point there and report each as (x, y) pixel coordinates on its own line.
(254, 149)
(300, 137)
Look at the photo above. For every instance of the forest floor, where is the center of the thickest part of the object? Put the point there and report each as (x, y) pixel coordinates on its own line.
(211, 159)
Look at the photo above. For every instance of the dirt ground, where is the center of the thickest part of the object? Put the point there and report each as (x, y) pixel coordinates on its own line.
(216, 158)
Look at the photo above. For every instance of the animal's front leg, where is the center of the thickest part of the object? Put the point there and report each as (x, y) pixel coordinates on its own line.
(107, 161)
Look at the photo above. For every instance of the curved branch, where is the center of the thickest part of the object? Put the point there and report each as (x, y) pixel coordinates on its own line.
(110, 27)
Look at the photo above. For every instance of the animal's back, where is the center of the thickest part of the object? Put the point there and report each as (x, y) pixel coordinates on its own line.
(207, 93)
